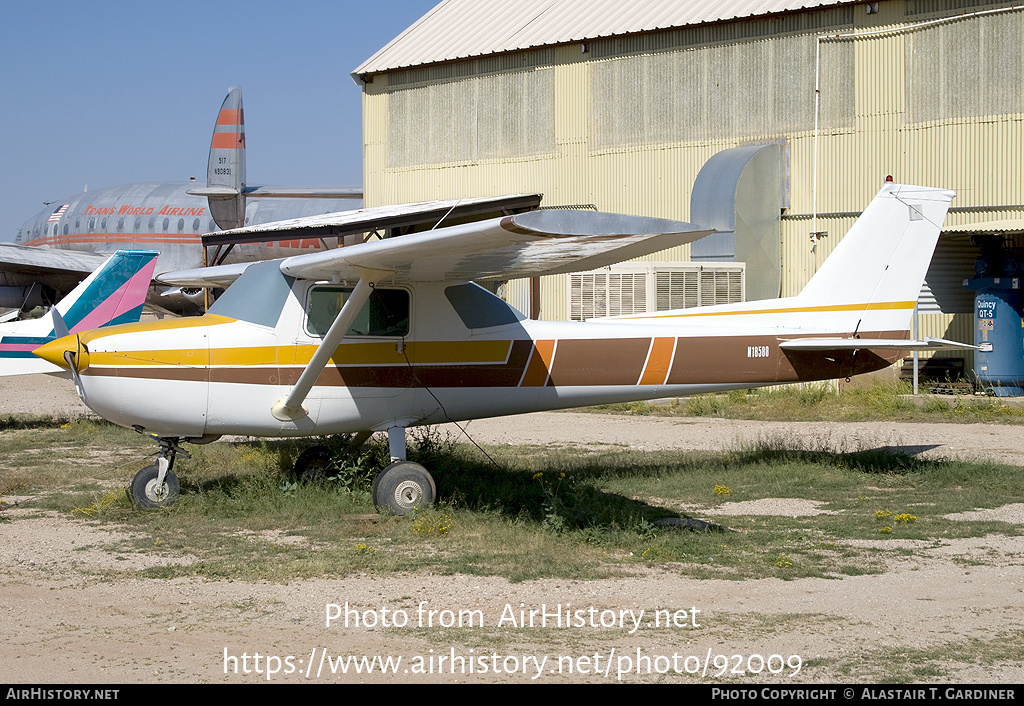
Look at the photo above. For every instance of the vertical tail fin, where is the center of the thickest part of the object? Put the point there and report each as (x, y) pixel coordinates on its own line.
(113, 294)
(885, 255)
(872, 279)
(225, 172)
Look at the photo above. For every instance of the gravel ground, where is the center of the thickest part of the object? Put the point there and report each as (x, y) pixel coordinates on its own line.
(65, 623)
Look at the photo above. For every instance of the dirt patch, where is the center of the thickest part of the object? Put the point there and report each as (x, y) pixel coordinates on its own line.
(70, 616)
(785, 507)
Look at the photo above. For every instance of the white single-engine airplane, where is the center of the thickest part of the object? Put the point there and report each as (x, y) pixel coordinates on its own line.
(391, 334)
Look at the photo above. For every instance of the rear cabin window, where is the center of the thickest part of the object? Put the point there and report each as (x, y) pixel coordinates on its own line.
(257, 296)
(478, 308)
(386, 313)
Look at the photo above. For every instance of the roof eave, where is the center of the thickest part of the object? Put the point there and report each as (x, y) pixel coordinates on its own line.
(361, 77)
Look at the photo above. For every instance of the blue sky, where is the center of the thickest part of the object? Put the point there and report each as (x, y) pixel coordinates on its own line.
(107, 93)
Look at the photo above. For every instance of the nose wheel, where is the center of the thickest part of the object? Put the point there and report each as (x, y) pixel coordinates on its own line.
(148, 491)
(156, 485)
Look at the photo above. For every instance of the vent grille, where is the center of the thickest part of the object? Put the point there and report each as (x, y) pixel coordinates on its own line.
(618, 293)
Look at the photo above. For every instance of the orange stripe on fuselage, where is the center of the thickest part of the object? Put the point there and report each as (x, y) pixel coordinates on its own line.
(659, 362)
(137, 238)
(539, 367)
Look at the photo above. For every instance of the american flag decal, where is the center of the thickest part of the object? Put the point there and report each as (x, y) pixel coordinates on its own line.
(55, 216)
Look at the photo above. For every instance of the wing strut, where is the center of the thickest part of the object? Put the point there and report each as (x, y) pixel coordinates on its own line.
(292, 407)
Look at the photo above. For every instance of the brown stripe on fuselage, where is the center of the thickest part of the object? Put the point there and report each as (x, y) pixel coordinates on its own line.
(600, 362)
(151, 373)
(456, 375)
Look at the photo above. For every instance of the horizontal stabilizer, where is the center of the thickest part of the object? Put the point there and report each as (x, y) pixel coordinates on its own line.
(305, 192)
(281, 192)
(219, 276)
(849, 344)
(215, 192)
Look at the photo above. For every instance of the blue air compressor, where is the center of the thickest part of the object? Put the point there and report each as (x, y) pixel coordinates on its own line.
(998, 321)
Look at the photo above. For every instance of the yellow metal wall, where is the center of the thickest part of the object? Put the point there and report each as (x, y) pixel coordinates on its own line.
(976, 154)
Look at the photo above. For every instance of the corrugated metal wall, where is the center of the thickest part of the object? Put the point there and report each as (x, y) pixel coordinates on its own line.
(626, 124)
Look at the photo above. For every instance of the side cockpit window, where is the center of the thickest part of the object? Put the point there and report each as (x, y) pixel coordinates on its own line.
(385, 314)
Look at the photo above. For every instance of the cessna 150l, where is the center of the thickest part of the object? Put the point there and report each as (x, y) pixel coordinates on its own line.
(112, 295)
(390, 334)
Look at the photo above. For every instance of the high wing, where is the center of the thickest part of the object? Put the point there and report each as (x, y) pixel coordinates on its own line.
(528, 244)
(379, 218)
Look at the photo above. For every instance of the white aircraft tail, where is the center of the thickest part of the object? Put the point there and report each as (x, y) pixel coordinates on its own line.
(880, 264)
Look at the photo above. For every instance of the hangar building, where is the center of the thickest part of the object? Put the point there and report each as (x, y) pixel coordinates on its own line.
(774, 121)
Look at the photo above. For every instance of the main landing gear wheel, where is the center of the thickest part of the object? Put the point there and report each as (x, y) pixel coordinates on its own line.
(313, 463)
(402, 487)
(147, 493)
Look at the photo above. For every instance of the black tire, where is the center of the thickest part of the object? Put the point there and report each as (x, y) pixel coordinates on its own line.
(313, 463)
(145, 492)
(402, 487)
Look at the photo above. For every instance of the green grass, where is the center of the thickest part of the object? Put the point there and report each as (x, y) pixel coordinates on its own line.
(41, 453)
(826, 402)
(536, 512)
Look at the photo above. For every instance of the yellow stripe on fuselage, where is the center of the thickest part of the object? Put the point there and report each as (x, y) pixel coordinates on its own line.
(162, 325)
(370, 353)
(879, 306)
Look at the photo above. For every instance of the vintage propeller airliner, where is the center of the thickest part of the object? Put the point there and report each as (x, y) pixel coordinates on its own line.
(386, 335)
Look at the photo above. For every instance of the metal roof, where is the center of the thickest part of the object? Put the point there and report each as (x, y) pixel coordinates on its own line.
(1006, 225)
(462, 29)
